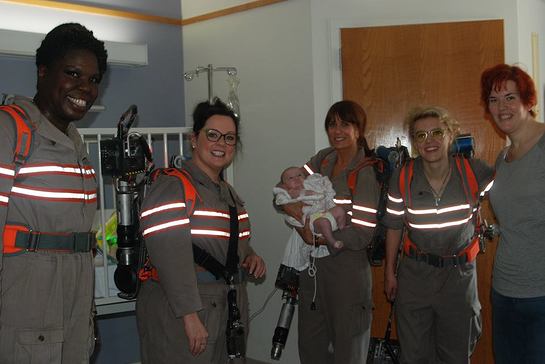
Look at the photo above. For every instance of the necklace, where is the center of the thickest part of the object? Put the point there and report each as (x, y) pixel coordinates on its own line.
(437, 194)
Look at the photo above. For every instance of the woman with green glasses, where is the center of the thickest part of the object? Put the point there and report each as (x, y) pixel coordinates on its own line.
(434, 198)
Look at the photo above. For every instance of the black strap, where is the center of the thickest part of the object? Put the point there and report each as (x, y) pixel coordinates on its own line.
(230, 269)
(73, 242)
(204, 259)
(437, 260)
(231, 265)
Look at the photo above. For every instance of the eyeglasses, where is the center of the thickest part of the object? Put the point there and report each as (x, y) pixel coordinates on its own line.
(421, 135)
(214, 135)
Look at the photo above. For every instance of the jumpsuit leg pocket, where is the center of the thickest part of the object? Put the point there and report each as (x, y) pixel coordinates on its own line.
(213, 317)
(359, 319)
(39, 346)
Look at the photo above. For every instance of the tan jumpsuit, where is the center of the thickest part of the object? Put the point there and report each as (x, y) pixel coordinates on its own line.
(437, 309)
(338, 330)
(169, 236)
(46, 296)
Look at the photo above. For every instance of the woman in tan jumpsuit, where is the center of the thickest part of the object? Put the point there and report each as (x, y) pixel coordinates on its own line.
(335, 299)
(182, 313)
(46, 268)
(436, 301)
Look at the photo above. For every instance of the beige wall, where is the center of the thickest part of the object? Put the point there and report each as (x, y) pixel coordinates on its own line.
(271, 48)
(287, 59)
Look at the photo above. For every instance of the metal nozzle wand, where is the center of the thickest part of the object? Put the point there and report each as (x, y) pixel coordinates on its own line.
(283, 326)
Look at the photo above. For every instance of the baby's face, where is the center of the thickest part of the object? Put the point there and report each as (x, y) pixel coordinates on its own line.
(293, 180)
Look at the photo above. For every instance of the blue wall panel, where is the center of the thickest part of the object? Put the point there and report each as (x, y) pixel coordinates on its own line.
(157, 89)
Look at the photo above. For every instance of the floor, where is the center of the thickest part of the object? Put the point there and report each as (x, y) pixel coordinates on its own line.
(253, 361)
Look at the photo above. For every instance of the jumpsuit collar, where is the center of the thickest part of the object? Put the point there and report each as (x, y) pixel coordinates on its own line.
(72, 139)
(332, 159)
(225, 191)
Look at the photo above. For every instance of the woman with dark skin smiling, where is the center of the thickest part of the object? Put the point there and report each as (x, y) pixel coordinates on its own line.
(47, 206)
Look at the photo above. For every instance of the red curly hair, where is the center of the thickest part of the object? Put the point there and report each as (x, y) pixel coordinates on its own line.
(494, 78)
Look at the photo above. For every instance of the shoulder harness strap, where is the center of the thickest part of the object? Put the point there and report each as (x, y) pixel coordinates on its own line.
(469, 181)
(190, 191)
(323, 162)
(200, 256)
(24, 128)
(405, 179)
(352, 179)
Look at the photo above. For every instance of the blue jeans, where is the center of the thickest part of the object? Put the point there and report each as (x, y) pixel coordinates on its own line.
(518, 326)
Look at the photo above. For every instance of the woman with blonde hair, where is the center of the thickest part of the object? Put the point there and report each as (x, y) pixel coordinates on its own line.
(433, 198)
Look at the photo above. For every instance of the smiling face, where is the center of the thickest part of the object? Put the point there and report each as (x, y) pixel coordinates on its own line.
(213, 156)
(507, 109)
(68, 87)
(435, 146)
(342, 134)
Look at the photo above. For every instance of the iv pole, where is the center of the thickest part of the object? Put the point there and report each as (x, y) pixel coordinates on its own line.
(231, 71)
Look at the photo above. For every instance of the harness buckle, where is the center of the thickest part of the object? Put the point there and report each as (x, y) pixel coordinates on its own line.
(82, 242)
(435, 260)
(462, 259)
(33, 241)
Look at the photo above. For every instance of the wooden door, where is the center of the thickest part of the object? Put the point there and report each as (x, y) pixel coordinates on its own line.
(390, 69)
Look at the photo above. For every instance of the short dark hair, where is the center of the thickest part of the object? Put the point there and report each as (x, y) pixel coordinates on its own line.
(67, 37)
(204, 110)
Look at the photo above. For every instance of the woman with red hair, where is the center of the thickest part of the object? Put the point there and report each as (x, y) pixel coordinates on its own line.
(518, 197)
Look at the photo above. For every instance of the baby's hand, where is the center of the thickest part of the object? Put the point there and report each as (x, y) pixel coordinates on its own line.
(338, 244)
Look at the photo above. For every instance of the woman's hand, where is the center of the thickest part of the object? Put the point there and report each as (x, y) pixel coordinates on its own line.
(393, 240)
(390, 285)
(196, 333)
(255, 265)
(294, 209)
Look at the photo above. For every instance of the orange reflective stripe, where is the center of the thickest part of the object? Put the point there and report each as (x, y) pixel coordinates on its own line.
(10, 233)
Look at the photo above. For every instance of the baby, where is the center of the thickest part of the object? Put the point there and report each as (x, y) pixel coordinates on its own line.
(317, 194)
